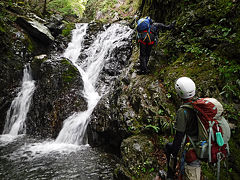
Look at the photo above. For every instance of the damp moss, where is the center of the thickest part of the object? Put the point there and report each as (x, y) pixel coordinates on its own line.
(29, 43)
(70, 73)
(2, 29)
(235, 157)
(109, 11)
(137, 154)
(68, 28)
(203, 46)
(200, 70)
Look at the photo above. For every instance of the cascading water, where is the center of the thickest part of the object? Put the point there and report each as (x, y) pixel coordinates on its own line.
(16, 115)
(63, 158)
(73, 131)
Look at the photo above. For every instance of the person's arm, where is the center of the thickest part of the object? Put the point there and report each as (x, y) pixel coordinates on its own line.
(161, 26)
(173, 148)
(180, 126)
(177, 143)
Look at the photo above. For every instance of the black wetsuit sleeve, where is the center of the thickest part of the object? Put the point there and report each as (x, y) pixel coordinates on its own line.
(177, 143)
(173, 148)
(161, 26)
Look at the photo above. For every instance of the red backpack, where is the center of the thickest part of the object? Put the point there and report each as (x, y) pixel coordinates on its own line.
(213, 130)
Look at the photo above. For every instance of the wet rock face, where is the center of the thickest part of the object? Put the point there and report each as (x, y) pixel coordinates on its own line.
(117, 58)
(160, 11)
(58, 94)
(102, 117)
(58, 83)
(137, 157)
(55, 24)
(133, 103)
(15, 52)
(36, 29)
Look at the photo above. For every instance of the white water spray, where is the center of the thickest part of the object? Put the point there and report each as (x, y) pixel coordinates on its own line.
(16, 115)
(74, 128)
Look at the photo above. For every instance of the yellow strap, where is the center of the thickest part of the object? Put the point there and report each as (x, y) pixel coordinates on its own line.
(149, 37)
(145, 37)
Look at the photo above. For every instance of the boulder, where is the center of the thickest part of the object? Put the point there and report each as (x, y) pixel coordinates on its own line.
(36, 29)
(58, 95)
(15, 52)
(55, 24)
(135, 104)
(138, 160)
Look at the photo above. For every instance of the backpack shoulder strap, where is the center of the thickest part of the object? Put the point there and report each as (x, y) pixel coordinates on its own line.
(202, 132)
(187, 106)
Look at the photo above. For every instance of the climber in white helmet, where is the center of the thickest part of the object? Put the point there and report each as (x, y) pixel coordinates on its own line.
(186, 124)
(201, 133)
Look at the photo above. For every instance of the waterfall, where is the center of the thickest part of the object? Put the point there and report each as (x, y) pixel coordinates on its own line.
(16, 115)
(73, 131)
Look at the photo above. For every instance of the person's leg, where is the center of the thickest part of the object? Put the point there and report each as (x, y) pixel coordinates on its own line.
(142, 57)
(148, 53)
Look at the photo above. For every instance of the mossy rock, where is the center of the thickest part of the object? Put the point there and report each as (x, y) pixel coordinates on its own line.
(66, 32)
(71, 71)
(138, 157)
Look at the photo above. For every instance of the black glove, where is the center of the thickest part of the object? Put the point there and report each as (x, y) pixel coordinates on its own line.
(171, 160)
(172, 25)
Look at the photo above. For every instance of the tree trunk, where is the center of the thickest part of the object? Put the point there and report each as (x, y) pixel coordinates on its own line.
(45, 7)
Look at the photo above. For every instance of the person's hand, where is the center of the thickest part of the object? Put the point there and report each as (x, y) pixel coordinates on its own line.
(157, 178)
(172, 25)
(162, 175)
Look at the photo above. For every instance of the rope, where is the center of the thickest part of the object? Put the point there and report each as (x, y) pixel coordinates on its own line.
(218, 165)
(211, 136)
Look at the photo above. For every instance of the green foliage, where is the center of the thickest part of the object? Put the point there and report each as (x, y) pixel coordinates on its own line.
(197, 51)
(107, 5)
(223, 7)
(91, 7)
(161, 112)
(143, 169)
(2, 29)
(210, 171)
(219, 32)
(66, 7)
(230, 71)
(2, 26)
(70, 74)
(156, 129)
(128, 4)
(29, 43)
(68, 29)
(160, 123)
(111, 10)
(232, 112)
(235, 157)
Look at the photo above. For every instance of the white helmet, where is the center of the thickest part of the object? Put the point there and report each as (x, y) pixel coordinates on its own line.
(185, 87)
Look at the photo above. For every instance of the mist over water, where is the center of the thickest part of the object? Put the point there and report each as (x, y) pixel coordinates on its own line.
(74, 128)
(16, 115)
(69, 156)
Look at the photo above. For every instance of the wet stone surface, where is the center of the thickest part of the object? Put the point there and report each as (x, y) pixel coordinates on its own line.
(33, 159)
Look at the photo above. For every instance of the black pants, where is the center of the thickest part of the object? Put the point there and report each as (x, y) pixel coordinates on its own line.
(145, 51)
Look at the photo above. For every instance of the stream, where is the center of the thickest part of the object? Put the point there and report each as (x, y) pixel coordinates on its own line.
(68, 156)
(26, 158)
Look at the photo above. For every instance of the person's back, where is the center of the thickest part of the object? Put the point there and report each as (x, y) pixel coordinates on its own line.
(186, 123)
(147, 38)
